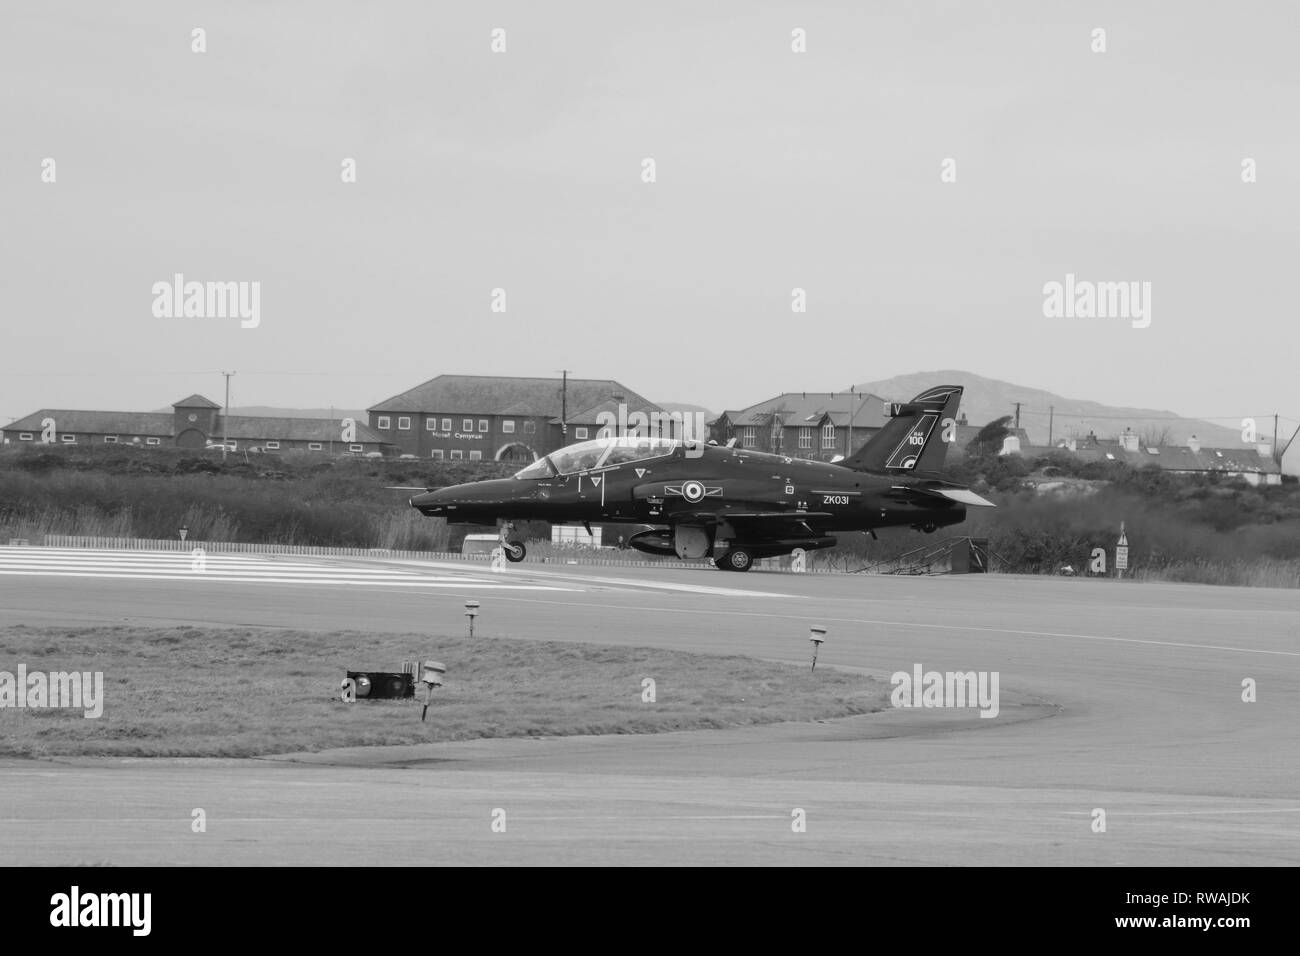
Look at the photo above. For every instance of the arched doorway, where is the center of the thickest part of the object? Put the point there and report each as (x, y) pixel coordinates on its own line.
(191, 438)
(515, 451)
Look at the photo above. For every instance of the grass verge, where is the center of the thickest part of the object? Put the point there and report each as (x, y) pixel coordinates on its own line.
(241, 692)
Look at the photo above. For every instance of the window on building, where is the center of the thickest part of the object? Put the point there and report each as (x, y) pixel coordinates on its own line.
(828, 436)
(483, 424)
(446, 424)
(404, 422)
(70, 439)
(580, 433)
(273, 444)
(24, 436)
(356, 447)
(384, 421)
(313, 446)
(153, 441)
(508, 427)
(530, 427)
(749, 437)
(436, 453)
(476, 456)
(431, 424)
(457, 454)
(805, 438)
(110, 439)
(467, 425)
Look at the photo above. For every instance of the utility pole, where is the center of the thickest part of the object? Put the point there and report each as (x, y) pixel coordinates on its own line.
(564, 407)
(853, 410)
(1017, 414)
(225, 420)
(1051, 418)
(331, 430)
(1276, 456)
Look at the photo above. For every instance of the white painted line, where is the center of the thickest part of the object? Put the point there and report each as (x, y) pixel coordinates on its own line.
(201, 576)
(939, 627)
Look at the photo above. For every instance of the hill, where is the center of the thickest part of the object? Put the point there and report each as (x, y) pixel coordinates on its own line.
(988, 398)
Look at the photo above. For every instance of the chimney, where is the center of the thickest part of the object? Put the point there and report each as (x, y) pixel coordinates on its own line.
(1265, 449)
(1194, 444)
(1128, 441)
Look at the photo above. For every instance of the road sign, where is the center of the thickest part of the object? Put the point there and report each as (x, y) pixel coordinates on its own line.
(1121, 558)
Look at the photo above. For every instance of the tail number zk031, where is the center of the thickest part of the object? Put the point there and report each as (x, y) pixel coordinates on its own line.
(835, 499)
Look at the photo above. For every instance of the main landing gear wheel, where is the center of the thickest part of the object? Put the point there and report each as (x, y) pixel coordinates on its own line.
(515, 550)
(738, 559)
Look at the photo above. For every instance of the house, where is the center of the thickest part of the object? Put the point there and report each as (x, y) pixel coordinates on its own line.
(503, 418)
(1289, 460)
(1254, 465)
(819, 426)
(194, 422)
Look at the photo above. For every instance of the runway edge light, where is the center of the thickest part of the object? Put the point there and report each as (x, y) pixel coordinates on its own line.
(816, 635)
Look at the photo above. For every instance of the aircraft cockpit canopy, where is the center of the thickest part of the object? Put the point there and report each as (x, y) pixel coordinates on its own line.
(598, 453)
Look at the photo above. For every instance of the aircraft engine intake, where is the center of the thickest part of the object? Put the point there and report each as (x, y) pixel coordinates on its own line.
(690, 542)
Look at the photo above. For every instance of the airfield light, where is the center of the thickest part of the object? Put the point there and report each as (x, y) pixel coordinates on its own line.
(816, 635)
(471, 612)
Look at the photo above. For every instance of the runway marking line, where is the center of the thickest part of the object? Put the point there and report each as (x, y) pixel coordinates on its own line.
(940, 627)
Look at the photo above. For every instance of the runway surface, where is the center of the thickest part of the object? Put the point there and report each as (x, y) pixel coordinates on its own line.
(1121, 697)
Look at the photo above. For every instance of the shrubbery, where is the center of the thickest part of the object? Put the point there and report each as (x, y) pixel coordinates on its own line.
(291, 499)
(1179, 527)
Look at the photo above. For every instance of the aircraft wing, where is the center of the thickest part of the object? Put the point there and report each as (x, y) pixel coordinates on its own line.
(962, 496)
(697, 516)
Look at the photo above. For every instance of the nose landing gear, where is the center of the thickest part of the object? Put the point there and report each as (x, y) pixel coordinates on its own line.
(514, 550)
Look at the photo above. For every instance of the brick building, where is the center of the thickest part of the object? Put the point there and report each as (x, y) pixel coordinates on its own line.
(194, 422)
(500, 418)
(811, 425)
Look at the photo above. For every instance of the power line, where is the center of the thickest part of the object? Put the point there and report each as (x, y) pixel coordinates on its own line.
(1155, 418)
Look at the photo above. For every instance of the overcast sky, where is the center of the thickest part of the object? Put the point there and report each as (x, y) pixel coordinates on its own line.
(523, 171)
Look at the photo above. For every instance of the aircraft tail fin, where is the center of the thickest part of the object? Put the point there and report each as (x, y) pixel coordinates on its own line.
(915, 439)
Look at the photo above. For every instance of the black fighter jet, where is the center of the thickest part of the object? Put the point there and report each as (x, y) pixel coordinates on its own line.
(733, 505)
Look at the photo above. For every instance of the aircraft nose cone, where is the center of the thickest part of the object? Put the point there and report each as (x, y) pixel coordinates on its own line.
(429, 503)
(470, 499)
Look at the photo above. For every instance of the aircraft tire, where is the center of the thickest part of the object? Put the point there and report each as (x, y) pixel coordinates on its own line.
(515, 551)
(738, 559)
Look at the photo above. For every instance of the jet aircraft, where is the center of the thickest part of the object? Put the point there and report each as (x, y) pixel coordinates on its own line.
(732, 505)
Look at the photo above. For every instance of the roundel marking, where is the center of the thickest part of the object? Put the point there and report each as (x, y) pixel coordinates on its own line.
(693, 491)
